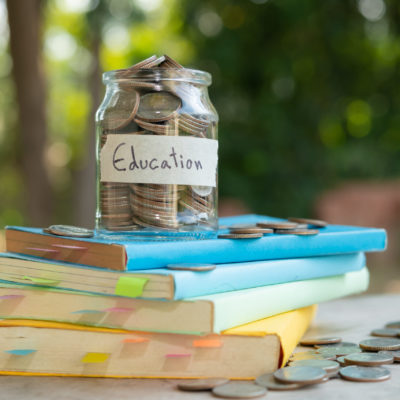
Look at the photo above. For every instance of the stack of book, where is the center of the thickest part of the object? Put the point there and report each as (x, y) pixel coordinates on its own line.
(111, 308)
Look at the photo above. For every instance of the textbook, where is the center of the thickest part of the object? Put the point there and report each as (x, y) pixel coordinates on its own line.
(169, 284)
(147, 252)
(46, 348)
(195, 315)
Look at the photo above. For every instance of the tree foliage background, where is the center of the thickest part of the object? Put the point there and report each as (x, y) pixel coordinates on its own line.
(307, 93)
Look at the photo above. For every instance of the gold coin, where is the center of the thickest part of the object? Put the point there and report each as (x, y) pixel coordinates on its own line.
(277, 225)
(158, 106)
(314, 222)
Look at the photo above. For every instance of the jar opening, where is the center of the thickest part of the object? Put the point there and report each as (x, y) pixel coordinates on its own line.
(157, 75)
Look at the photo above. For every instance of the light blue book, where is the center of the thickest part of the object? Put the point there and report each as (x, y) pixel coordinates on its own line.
(163, 283)
(195, 315)
(144, 253)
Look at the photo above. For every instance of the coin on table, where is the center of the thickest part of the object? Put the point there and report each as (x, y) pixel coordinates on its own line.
(306, 355)
(338, 351)
(158, 106)
(69, 230)
(198, 385)
(341, 360)
(305, 375)
(364, 374)
(394, 354)
(368, 359)
(300, 232)
(393, 325)
(240, 236)
(277, 225)
(319, 341)
(340, 344)
(331, 367)
(380, 344)
(251, 230)
(191, 267)
(387, 332)
(239, 390)
(268, 381)
(314, 222)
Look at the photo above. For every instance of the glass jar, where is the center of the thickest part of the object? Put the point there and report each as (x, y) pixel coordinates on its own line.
(157, 154)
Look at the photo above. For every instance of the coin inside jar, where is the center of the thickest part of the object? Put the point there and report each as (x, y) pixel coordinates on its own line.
(158, 106)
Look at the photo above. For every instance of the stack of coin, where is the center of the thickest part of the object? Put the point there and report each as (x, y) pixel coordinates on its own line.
(154, 107)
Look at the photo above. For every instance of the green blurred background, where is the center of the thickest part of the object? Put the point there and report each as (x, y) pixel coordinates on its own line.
(307, 93)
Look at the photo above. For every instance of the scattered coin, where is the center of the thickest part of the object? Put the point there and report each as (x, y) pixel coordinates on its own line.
(380, 344)
(198, 385)
(239, 390)
(240, 236)
(251, 230)
(277, 225)
(300, 232)
(68, 230)
(341, 344)
(341, 360)
(368, 359)
(314, 222)
(268, 381)
(394, 354)
(331, 367)
(393, 325)
(338, 351)
(304, 375)
(191, 267)
(364, 374)
(306, 355)
(320, 341)
(388, 332)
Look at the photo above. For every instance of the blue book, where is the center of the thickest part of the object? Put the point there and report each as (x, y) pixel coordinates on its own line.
(163, 283)
(143, 253)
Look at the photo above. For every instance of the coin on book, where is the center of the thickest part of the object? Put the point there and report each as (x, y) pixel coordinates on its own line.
(305, 375)
(314, 222)
(198, 385)
(69, 230)
(239, 390)
(364, 374)
(240, 236)
(380, 344)
(251, 230)
(368, 359)
(191, 267)
(268, 381)
(277, 225)
(300, 232)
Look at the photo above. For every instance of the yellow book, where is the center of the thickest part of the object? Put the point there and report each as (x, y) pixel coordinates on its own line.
(30, 347)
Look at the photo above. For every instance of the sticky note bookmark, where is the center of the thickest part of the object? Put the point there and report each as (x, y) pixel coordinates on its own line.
(130, 286)
(207, 343)
(41, 281)
(135, 340)
(20, 352)
(95, 358)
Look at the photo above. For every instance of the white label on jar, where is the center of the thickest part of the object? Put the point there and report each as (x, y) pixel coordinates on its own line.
(179, 160)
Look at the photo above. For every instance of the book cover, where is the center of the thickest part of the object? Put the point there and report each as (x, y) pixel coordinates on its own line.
(143, 252)
(196, 315)
(162, 283)
(47, 348)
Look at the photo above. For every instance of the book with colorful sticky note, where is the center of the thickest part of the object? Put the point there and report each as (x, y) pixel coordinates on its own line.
(46, 348)
(196, 315)
(163, 283)
(146, 252)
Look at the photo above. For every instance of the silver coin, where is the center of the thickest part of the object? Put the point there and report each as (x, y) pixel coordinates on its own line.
(202, 190)
(239, 390)
(305, 375)
(299, 232)
(368, 359)
(191, 267)
(393, 324)
(341, 344)
(318, 341)
(268, 381)
(240, 236)
(251, 230)
(387, 332)
(198, 385)
(394, 354)
(69, 230)
(380, 344)
(341, 361)
(307, 355)
(328, 365)
(338, 351)
(158, 106)
(277, 225)
(364, 374)
(314, 222)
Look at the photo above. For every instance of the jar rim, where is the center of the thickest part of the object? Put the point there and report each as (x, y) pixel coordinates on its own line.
(158, 74)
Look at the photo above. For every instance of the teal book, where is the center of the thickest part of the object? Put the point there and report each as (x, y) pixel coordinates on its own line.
(196, 315)
(144, 252)
(163, 283)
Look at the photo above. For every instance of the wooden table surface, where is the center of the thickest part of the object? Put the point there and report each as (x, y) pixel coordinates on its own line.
(351, 318)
